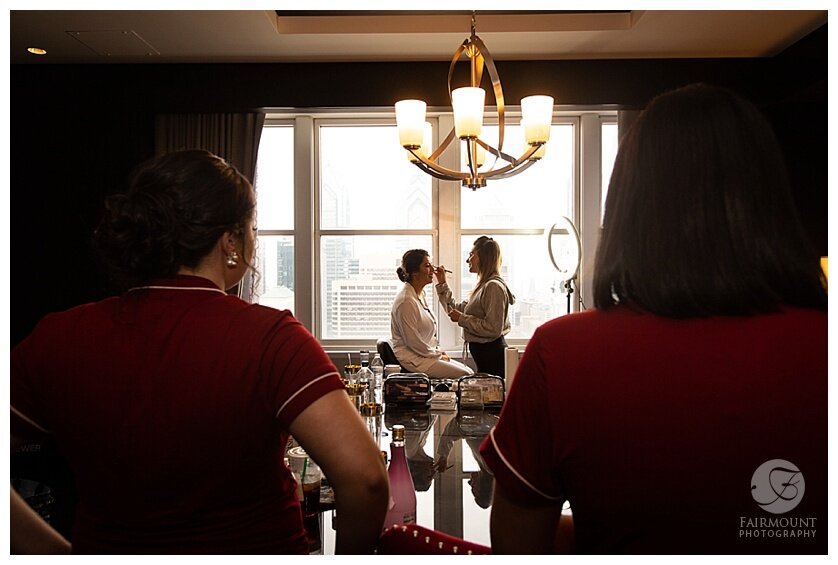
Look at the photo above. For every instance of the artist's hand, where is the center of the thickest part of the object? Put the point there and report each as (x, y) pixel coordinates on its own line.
(455, 314)
(440, 274)
(445, 357)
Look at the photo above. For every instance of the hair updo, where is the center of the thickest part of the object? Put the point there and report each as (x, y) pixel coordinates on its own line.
(411, 261)
(176, 207)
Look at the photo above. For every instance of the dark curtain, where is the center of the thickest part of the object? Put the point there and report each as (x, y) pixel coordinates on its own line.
(233, 137)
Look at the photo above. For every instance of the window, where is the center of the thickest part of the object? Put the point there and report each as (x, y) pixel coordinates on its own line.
(274, 185)
(360, 205)
(374, 206)
(517, 222)
(609, 153)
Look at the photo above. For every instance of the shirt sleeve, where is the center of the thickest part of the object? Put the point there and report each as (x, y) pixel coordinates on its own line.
(493, 300)
(297, 370)
(408, 318)
(27, 415)
(446, 297)
(519, 449)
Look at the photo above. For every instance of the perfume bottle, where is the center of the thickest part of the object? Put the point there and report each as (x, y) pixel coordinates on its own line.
(402, 507)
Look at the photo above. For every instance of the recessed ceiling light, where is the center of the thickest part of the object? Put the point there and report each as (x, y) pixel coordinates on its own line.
(37, 51)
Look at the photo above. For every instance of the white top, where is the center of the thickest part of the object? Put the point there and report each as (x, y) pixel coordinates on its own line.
(413, 330)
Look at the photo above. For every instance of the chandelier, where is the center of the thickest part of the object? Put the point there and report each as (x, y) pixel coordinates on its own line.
(468, 103)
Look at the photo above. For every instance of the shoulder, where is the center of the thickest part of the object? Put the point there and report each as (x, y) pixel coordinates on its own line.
(405, 297)
(495, 286)
(587, 323)
(258, 324)
(68, 319)
(266, 319)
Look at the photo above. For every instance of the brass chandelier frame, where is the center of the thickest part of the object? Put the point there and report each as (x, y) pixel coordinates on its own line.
(480, 58)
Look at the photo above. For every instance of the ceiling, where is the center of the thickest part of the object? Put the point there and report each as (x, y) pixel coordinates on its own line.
(266, 36)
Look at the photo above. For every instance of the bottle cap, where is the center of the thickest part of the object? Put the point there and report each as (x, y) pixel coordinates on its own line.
(398, 432)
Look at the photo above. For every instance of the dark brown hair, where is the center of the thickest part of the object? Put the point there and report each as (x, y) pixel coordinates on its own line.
(411, 261)
(699, 219)
(176, 207)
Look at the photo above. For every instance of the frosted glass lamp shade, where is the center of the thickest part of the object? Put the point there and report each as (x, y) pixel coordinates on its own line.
(536, 117)
(410, 119)
(468, 111)
(425, 149)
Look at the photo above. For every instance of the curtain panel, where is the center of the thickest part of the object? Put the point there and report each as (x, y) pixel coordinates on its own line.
(234, 137)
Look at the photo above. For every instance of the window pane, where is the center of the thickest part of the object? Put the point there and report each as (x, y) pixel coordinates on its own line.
(366, 181)
(275, 262)
(609, 153)
(275, 179)
(532, 199)
(531, 277)
(359, 282)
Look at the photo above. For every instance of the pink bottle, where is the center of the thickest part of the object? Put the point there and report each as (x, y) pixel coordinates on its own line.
(402, 508)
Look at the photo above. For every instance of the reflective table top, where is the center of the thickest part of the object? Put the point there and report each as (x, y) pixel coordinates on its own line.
(453, 485)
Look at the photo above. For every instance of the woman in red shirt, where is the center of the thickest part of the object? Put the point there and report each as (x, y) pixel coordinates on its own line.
(173, 402)
(690, 406)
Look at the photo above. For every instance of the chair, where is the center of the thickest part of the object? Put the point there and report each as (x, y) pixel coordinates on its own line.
(385, 349)
(412, 539)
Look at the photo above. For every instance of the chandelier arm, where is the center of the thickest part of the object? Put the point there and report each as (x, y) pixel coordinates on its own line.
(472, 158)
(496, 152)
(442, 146)
(478, 68)
(435, 174)
(516, 166)
(435, 170)
(493, 74)
(454, 60)
(511, 173)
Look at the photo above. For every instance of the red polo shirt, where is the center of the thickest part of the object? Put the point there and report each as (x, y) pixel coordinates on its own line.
(172, 407)
(654, 430)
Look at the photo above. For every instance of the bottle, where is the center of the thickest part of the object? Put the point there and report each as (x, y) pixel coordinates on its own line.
(364, 376)
(402, 507)
(377, 367)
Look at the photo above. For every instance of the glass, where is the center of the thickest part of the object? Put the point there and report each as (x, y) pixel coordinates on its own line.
(531, 277)
(275, 179)
(610, 141)
(366, 181)
(308, 476)
(275, 263)
(359, 283)
(531, 199)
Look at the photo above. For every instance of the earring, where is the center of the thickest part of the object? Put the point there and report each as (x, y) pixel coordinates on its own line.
(232, 259)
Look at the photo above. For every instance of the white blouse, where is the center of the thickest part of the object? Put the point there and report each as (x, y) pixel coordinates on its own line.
(413, 330)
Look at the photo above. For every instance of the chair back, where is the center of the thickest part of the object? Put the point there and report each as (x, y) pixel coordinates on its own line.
(385, 349)
(412, 539)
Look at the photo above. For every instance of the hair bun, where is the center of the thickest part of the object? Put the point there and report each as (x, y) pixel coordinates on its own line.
(402, 275)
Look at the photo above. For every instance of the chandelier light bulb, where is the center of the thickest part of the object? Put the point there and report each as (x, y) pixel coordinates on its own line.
(468, 104)
(537, 115)
(425, 149)
(410, 119)
(481, 155)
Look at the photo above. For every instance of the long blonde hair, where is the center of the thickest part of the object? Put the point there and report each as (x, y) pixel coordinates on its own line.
(489, 255)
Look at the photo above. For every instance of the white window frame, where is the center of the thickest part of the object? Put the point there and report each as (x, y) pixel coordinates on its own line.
(445, 230)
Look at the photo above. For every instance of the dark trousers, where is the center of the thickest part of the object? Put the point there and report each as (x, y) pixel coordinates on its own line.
(489, 357)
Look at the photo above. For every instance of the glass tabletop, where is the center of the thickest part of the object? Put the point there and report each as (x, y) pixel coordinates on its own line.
(453, 485)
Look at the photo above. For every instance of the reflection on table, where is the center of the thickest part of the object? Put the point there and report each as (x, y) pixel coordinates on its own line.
(453, 485)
